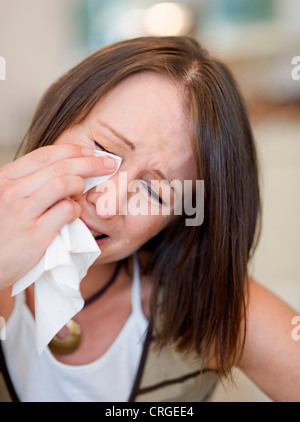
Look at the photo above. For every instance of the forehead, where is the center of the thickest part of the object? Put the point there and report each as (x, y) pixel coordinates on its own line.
(150, 110)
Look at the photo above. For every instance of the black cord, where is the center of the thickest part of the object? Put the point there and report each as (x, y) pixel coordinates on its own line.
(103, 289)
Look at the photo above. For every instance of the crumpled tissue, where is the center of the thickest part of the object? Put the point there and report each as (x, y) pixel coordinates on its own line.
(58, 273)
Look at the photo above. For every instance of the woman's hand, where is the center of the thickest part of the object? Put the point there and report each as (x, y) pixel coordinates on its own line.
(33, 204)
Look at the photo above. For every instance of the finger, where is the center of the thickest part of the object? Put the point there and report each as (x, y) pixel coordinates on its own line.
(49, 224)
(42, 157)
(83, 166)
(55, 190)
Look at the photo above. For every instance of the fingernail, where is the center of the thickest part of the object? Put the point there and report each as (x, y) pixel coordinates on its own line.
(109, 163)
(87, 152)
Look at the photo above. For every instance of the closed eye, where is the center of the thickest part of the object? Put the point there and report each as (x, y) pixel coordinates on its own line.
(153, 194)
(101, 147)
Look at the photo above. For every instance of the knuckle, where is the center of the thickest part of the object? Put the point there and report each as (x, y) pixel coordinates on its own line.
(68, 208)
(92, 165)
(41, 155)
(3, 176)
(60, 167)
(8, 195)
(60, 186)
(80, 185)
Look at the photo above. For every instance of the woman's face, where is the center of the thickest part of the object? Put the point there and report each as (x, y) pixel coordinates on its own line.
(145, 122)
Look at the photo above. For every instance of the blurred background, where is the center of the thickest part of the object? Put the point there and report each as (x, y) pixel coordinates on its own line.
(42, 39)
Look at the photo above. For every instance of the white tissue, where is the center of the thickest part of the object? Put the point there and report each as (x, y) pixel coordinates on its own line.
(58, 274)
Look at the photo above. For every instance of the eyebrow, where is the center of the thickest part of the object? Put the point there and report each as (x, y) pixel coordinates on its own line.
(130, 144)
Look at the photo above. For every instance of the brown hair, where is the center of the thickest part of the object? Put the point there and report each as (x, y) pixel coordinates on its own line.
(200, 272)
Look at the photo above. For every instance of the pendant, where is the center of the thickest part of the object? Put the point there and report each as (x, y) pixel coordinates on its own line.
(69, 343)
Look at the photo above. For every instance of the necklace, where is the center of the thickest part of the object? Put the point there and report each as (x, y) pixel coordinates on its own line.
(71, 341)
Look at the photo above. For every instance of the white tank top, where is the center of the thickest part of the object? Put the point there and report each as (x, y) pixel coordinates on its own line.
(43, 378)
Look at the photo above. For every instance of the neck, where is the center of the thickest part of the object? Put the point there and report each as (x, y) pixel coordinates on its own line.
(98, 275)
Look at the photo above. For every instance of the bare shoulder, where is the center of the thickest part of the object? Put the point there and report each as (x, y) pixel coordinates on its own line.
(6, 303)
(271, 356)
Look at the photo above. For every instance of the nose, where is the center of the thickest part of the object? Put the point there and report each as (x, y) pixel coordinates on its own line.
(110, 197)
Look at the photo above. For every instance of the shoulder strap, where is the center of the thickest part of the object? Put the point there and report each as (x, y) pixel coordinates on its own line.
(167, 375)
(136, 385)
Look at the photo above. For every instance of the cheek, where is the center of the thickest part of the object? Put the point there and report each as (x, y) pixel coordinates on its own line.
(140, 228)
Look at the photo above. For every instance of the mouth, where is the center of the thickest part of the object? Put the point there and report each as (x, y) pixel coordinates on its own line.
(98, 236)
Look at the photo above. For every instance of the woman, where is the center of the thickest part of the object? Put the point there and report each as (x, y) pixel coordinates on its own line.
(170, 112)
